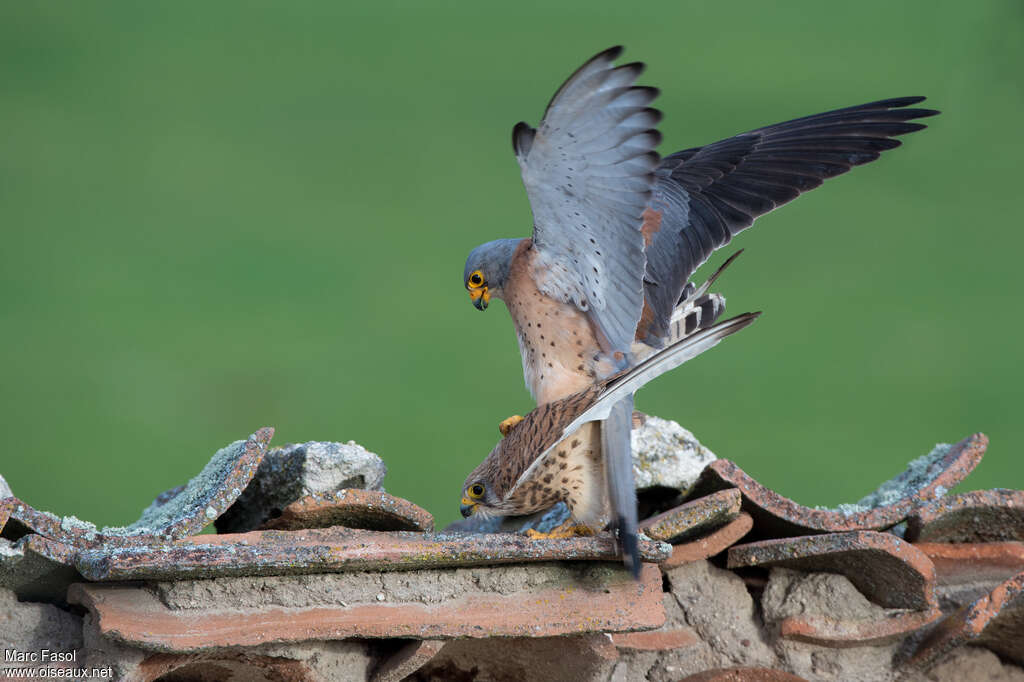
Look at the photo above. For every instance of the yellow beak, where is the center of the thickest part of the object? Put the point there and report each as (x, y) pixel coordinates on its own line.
(467, 508)
(480, 297)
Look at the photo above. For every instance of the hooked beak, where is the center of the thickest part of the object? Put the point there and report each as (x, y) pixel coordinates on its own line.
(467, 507)
(481, 297)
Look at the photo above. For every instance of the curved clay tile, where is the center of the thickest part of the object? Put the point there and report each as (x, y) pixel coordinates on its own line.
(979, 516)
(928, 478)
(887, 570)
(353, 508)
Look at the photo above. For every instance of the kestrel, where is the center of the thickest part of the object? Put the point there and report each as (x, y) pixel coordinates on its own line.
(555, 453)
(618, 231)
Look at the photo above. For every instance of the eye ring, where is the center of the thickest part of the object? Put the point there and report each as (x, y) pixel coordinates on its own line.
(476, 279)
(476, 490)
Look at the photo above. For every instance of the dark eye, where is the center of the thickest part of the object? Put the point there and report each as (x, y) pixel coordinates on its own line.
(476, 279)
(477, 490)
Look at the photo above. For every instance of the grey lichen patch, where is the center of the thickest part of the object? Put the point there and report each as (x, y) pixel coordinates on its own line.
(919, 474)
(666, 454)
(195, 495)
(294, 471)
(73, 523)
(5, 490)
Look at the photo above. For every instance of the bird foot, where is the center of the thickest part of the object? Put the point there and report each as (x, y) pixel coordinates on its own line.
(566, 530)
(506, 426)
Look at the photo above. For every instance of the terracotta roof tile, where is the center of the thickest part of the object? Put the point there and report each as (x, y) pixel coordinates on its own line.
(958, 563)
(887, 570)
(617, 602)
(831, 632)
(317, 550)
(710, 545)
(995, 621)
(656, 640)
(353, 508)
(979, 516)
(777, 516)
(687, 520)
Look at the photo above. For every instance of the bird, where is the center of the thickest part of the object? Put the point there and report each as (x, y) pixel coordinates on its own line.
(555, 453)
(618, 231)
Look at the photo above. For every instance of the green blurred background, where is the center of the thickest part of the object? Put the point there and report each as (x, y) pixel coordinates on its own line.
(220, 216)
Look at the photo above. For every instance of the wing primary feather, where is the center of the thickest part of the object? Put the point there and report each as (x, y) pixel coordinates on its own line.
(618, 467)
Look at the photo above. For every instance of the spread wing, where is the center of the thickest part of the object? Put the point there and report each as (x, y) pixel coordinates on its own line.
(589, 169)
(706, 195)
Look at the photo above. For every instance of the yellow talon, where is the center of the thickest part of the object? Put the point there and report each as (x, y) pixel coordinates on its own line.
(506, 426)
(569, 529)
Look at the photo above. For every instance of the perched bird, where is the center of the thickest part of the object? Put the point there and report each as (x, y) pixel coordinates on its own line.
(618, 231)
(555, 453)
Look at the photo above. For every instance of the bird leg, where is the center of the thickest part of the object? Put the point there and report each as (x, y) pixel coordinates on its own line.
(568, 529)
(507, 425)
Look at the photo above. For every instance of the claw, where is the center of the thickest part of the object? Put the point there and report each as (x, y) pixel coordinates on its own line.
(506, 426)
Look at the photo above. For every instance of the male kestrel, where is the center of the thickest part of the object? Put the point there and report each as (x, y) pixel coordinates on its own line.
(618, 231)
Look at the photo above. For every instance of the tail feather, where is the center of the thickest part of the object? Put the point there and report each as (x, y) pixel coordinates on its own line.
(618, 469)
(697, 309)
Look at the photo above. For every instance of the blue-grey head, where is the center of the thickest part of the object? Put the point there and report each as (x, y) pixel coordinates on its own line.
(487, 269)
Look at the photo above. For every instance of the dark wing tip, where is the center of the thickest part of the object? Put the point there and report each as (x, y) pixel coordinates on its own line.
(522, 138)
(611, 53)
(636, 68)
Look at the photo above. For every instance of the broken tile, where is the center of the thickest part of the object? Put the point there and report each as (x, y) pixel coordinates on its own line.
(609, 601)
(295, 471)
(978, 516)
(316, 550)
(928, 478)
(996, 621)
(826, 609)
(656, 640)
(959, 563)
(832, 632)
(353, 508)
(690, 519)
(187, 511)
(710, 545)
(6, 507)
(889, 571)
(412, 656)
(743, 675)
(37, 568)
